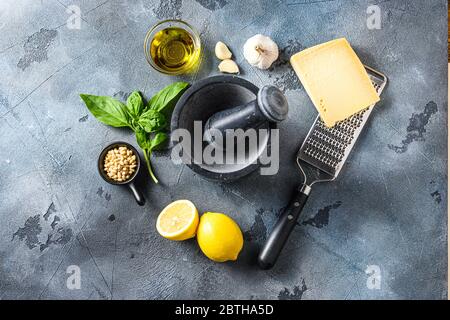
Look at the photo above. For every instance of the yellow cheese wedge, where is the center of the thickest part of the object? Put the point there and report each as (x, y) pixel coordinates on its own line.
(335, 80)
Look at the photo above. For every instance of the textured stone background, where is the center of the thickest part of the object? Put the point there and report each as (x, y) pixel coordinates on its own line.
(388, 207)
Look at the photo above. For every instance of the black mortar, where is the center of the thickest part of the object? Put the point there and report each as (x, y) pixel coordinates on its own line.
(204, 99)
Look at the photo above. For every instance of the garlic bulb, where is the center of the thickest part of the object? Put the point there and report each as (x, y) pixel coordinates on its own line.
(260, 51)
(222, 51)
(228, 66)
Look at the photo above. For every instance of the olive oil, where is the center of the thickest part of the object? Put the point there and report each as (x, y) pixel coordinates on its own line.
(173, 50)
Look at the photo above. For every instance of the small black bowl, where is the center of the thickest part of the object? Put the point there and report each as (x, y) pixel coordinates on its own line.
(130, 182)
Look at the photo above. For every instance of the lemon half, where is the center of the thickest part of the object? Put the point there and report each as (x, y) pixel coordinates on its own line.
(178, 221)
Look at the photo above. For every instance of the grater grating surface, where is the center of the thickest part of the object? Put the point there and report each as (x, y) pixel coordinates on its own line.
(326, 148)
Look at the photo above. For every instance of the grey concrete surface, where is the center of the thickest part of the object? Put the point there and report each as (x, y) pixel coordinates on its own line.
(388, 207)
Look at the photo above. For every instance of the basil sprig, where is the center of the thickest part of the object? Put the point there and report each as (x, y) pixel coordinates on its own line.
(149, 122)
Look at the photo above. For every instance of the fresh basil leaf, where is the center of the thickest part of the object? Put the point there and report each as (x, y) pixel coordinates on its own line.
(167, 97)
(107, 110)
(158, 140)
(135, 104)
(152, 121)
(142, 139)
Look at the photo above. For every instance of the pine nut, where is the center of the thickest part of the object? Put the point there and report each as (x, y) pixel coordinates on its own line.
(120, 163)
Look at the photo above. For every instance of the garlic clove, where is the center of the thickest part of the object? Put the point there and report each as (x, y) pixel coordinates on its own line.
(222, 51)
(228, 66)
(260, 51)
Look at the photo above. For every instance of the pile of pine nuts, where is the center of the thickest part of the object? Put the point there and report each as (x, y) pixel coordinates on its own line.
(120, 163)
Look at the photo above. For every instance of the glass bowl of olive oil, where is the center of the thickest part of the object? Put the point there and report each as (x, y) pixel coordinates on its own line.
(172, 47)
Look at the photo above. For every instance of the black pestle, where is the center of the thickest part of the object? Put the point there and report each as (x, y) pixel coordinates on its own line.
(269, 105)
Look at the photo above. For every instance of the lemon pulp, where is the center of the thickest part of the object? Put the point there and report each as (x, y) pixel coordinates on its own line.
(178, 221)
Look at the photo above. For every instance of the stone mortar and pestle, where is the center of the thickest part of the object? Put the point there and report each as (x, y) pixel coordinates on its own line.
(228, 102)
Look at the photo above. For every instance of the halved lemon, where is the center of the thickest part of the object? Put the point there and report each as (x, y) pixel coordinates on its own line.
(178, 221)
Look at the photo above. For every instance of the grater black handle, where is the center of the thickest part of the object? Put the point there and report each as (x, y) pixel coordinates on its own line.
(283, 228)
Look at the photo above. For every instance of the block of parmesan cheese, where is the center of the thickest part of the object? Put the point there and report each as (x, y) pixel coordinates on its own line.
(335, 80)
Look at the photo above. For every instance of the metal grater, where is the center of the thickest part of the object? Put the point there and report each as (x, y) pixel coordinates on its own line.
(326, 148)
(320, 158)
